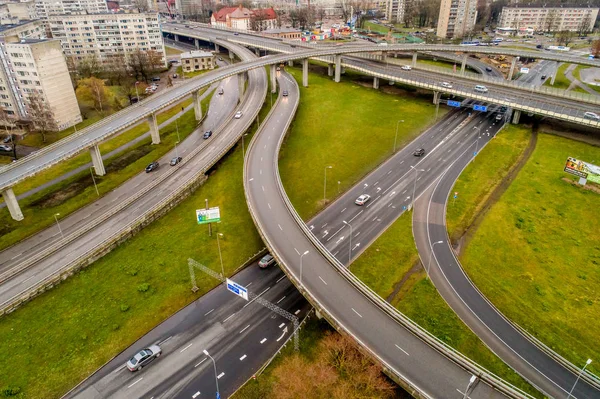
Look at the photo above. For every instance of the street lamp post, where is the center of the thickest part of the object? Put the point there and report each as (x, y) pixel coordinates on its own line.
(176, 151)
(350, 249)
(431, 256)
(94, 180)
(58, 224)
(243, 148)
(220, 255)
(137, 94)
(325, 183)
(471, 381)
(415, 183)
(301, 256)
(396, 136)
(215, 367)
(578, 377)
(478, 137)
(177, 130)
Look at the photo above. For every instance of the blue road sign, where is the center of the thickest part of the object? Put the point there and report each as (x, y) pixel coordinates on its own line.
(237, 289)
(218, 395)
(481, 108)
(454, 103)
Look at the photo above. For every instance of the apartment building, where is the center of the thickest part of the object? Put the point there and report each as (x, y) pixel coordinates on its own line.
(36, 66)
(24, 30)
(47, 8)
(549, 19)
(107, 34)
(394, 10)
(244, 19)
(457, 18)
(197, 61)
(13, 12)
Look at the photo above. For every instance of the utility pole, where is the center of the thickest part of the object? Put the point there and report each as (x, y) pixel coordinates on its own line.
(209, 225)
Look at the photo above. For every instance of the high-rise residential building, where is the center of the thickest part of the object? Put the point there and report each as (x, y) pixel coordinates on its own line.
(13, 12)
(47, 8)
(36, 67)
(108, 34)
(549, 19)
(457, 18)
(394, 10)
(24, 30)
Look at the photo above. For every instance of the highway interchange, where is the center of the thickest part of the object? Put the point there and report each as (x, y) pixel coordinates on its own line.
(389, 189)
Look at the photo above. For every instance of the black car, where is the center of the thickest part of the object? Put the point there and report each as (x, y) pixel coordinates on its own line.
(175, 161)
(284, 93)
(538, 46)
(543, 77)
(419, 152)
(151, 167)
(236, 34)
(503, 108)
(489, 69)
(207, 134)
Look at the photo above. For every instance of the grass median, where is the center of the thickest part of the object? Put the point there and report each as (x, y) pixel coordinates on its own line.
(560, 81)
(78, 190)
(105, 308)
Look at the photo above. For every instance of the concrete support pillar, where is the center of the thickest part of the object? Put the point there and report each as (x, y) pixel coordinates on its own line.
(391, 82)
(376, 83)
(217, 48)
(338, 67)
(553, 77)
(231, 55)
(414, 59)
(257, 52)
(464, 64)
(97, 161)
(305, 72)
(343, 70)
(329, 69)
(384, 57)
(197, 43)
(241, 83)
(291, 63)
(516, 117)
(512, 68)
(153, 129)
(436, 97)
(197, 105)
(273, 74)
(318, 314)
(176, 37)
(11, 203)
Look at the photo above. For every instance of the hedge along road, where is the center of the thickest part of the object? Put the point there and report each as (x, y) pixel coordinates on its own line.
(64, 252)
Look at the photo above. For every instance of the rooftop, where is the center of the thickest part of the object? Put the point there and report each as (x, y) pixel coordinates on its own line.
(281, 30)
(196, 54)
(12, 26)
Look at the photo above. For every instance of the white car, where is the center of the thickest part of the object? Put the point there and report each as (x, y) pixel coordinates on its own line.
(406, 68)
(481, 89)
(238, 115)
(591, 115)
(143, 357)
(5, 147)
(446, 85)
(362, 199)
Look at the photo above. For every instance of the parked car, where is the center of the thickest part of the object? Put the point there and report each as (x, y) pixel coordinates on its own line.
(238, 115)
(419, 152)
(446, 85)
(175, 161)
(220, 59)
(151, 167)
(143, 357)
(4, 147)
(266, 261)
(406, 67)
(221, 91)
(591, 115)
(156, 79)
(362, 199)
(207, 134)
(481, 89)
(175, 76)
(7, 139)
(284, 93)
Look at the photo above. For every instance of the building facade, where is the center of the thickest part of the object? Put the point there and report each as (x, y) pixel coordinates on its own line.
(394, 10)
(47, 8)
(242, 18)
(14, 12)
(283, 33)
(457, 18)
(197, 61)
(36, 67)
(107, 35)
(25, 30)
(549, 19)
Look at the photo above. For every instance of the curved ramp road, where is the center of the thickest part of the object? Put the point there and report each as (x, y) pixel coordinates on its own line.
(424, 369)
(429, 226)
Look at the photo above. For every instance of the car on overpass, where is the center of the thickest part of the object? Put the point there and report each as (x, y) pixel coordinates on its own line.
(446, 85)
(238, 115)
(406, 67)
(175, 161)
(592, 116)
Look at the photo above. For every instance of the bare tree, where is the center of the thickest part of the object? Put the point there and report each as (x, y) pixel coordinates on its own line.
(93, 90)
(41, 115)
(551, 20)
(584, 26)
(565, 37)
(257, 20)
(143, 64)
(596, 48)
(141, 5)
(88, 67)
(8, 124)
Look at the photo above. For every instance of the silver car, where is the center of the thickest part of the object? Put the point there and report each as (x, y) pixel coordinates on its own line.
(238, 115)
(143, 357)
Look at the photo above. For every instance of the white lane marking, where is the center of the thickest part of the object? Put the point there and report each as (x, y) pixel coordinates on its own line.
(194, 396)
(187, 347)
(251, 179)
(335, 254)
(405, 352)
(355, 216)
(164, 340)
(324, 282)
(256, 297)
(135, 382)
(282, 334)
(16, 256)
(281, 299)
(249, 284)
(401, 162)
(389, 172)
(297, 251)
(269, 205)
(333, 235)
(220, 375)
(209, 312)
(120, 368)
(263, 341)
(242, 358)
(281, 278)
(340, 240)
(201, 361)
(281, 325)
(245, 328)
(228, 318)
(280, 228)
(356, 312)
(297, 311)
(263, 188)
(357, 234)
(376, 183)
(324, 226)
(261, 171)
(343, 210)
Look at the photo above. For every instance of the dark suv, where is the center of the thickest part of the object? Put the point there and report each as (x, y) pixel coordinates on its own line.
(419, 152)
(151, 167)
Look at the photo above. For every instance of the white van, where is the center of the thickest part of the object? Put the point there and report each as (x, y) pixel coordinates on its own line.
(481, 89)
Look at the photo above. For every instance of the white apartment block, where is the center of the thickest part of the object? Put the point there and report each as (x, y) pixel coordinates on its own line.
(457, 18)
(36, 66)
(553, 19)
(13, 12)
(25, 30)
(105, 35)
(47, 8)
(394, 10)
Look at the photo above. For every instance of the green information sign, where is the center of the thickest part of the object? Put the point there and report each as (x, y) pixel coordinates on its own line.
(210, 215)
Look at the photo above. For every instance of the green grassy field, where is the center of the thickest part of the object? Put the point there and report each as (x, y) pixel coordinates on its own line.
(77, 191)
(438, 63)
(102, 310)
(375, 27)
(536, 255)
(172, 51)
(561, 81)
(476, 182)
(354, 139)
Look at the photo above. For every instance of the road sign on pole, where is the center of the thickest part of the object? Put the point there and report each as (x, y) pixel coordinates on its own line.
(237, 289)
(210, 215)
(452, 103)
(481, 108)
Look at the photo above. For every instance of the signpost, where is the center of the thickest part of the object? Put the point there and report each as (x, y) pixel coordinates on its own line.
(237, 289)
(482, 108)
(524, 70)
(452, 103)
(454, 200)
(210, 215)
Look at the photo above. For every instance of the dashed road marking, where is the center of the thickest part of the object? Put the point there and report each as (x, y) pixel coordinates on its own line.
(405, 352)
(187, 347)
(343, 210)
(228, 318)
(201, 361)
(135, 382)
(245, 328)
(280, 228)
(220, 375)
(281, 278)
(281, 325)
(209, 312)
(263, 341)
(324, 282)
(194, 396)
(242, 358)
(356, 312)
(281, 299)
(298, 252)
